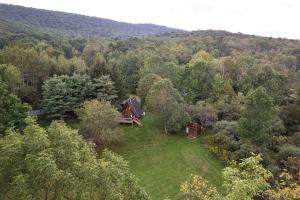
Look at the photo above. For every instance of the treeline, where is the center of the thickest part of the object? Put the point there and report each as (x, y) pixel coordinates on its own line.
(19, 19)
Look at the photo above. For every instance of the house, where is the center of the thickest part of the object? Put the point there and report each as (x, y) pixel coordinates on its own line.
(193, 130)
(131, 111)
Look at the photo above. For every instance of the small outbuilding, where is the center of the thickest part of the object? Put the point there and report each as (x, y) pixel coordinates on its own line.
(193, 130)
(131, 111)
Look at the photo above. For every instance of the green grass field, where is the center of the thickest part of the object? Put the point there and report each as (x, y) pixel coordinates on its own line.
(162, 162)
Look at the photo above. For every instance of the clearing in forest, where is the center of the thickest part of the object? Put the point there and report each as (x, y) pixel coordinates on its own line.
(162, 162)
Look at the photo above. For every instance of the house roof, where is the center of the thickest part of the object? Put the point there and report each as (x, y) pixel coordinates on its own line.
(135, 106)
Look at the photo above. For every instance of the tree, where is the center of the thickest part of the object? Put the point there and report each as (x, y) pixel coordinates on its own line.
(67, 93)
(200, 56)
(103, 88)
(231, 70)
(145, 85)
(217, 87)
(242, 180)
(286, 189)
(203, 113)
(246, 179)
(119, 182)
(197, 188)
(168, 70)
(177, 117)
(126, 71)
(182, 53)
(98, 122)
(229, 108)
(32, 67)
(198, 81)
(11, 76)
(77, 65)
(12, 111)
(54, 91)
(276, 84)
(257, 117)
(298, 95)
(290, 114)
(91, 49)
(99, 67)
(56, 163)
(228, 90)
(166, 102)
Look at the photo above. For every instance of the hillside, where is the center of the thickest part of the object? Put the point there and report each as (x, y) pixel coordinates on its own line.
(19, 19)
(162, 162)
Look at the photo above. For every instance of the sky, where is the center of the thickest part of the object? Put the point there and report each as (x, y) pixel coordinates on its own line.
(275, 18)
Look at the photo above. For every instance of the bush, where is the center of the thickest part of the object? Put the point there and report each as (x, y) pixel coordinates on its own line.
(99, 122)
(296, 138)
(246, 150)
(224, 143)
(228, 110)
(226, 127)
(288, 150)
(202, 113)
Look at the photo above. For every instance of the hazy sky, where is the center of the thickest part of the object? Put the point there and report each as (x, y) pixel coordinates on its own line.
(277, 18)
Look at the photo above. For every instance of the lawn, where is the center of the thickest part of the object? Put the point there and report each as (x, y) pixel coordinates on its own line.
(162, 162)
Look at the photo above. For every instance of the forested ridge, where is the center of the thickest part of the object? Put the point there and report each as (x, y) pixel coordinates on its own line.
(243, 90)
(23, 19)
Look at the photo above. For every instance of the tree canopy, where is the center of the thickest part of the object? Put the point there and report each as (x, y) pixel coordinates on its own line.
(99, 122)
(66, 93)
(145, 84)
(56, 163)
(242, 180)
(165, 101)
(12, 111)
(257, 117)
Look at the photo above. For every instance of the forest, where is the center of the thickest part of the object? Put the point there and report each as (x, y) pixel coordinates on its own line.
(60, 96)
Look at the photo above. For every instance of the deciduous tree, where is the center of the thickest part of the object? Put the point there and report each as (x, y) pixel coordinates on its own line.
(98, 122)
(166, 102)
(145, 85)
(56, 163)
(257, 117)
(242, 180)
(198, 81)
(12, 111)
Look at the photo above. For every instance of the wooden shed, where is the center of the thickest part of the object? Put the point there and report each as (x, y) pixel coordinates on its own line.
(193, 130)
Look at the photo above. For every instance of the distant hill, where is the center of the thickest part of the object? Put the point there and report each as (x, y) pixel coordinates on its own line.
(19, 19)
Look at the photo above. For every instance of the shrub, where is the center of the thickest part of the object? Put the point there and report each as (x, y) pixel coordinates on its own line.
(202, 113)
(99, 122)
(288, 150)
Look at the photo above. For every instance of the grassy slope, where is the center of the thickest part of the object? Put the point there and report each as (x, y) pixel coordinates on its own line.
(163, 162)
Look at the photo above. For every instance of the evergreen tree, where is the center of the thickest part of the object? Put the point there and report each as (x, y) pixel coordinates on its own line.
(103, 88)
(54, 93)
(66, 93)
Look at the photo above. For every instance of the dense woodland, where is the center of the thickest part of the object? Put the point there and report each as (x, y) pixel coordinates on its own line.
(245, 89)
